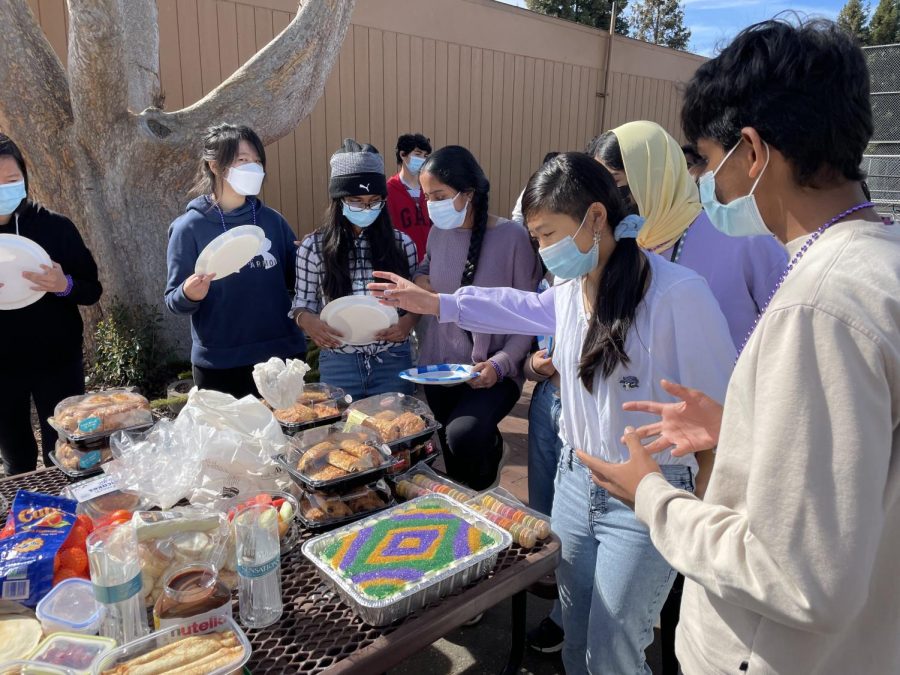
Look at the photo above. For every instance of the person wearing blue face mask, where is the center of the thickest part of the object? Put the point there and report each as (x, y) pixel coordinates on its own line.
(337, 260)
(616, 313)
(406, 203)
(41, 356)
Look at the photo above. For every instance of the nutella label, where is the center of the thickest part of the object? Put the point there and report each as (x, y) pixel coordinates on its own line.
(199, 624)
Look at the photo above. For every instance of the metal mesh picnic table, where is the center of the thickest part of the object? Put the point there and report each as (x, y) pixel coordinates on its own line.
(318, 633)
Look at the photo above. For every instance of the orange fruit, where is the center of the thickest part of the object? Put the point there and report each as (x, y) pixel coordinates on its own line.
(85, 522)
(56, 563)
(77, 538)
(74, 559)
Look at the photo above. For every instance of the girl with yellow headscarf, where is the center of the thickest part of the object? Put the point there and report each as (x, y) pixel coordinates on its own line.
(649, 166)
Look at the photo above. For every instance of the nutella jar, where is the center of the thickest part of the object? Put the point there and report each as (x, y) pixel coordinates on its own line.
(193, 594)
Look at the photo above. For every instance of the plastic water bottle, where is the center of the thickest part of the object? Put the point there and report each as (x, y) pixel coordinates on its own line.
(258, 565)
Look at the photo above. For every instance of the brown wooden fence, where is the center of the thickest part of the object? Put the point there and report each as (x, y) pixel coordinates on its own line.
(509, 84)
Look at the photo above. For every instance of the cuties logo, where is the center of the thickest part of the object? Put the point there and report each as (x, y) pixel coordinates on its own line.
(28, 545)
(43, 517)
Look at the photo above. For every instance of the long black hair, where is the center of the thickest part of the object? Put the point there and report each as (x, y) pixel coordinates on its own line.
(8, 148)
(221, 144)
(569, 185)
(457, 168)
(385, 250)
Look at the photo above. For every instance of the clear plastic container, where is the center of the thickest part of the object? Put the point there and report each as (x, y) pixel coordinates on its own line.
(318, 405)
(78, 653)
(70, 607)
(400, 421)
(232, 660)
(78, 462)
(25, 667)
(320, 511)
(91, 417)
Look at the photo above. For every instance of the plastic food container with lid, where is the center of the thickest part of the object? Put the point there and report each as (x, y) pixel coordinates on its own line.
(76, 652)
(88, 418)
(401, 422)
(317, 405)
(70, 607)
(228, 658)
(25, 667)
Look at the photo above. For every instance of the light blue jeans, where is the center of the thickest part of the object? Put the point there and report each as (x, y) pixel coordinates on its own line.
(612, 581)
(544, 447)
(362, 376)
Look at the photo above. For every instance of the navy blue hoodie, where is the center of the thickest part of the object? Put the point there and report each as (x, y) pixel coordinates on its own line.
(244, 318)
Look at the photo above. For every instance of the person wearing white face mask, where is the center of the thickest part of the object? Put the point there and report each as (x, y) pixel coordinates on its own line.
(240, 320)
(41, 349)
(791, 558)
(470, 247)
(337, 260)
(405, 201)
(615, 315)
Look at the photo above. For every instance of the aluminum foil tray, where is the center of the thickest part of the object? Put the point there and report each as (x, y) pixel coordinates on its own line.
(381, 612)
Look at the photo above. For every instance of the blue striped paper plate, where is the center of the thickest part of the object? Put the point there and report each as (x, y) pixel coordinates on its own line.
(445, 374)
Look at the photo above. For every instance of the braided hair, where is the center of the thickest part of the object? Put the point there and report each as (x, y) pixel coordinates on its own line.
(457, 168)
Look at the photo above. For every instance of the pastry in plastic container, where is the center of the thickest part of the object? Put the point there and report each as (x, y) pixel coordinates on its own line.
(422, 480)
(321, 511)
(94, 416)
(401, 422)
(318, 405)
(217, 646)
(328, 458)
(391, 564)
(527, 526)
(78, 462)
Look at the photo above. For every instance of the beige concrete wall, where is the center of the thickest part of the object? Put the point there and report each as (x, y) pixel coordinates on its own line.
(507, 83)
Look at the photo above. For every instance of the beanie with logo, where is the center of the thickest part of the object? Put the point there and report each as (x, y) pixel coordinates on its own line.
(356, 170)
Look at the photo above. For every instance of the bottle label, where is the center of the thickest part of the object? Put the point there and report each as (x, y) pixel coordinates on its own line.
(256, 571)
(110, 595)
(197, 624)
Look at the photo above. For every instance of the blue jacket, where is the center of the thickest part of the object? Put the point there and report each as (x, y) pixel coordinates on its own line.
(244, 318)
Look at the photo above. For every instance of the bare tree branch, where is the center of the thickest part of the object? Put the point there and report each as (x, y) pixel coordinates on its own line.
(140, 22)
(98, 75)
(35, 108)
(272, 91)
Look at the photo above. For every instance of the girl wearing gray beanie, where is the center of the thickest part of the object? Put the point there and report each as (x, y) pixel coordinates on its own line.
(338, 259)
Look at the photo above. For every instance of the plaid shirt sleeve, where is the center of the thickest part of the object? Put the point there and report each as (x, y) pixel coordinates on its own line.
(306, 286)
(412, 253)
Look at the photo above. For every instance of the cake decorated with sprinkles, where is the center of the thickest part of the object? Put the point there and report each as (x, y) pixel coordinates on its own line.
(386, 555)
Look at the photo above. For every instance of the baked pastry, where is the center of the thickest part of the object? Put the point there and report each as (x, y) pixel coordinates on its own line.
(193, 655)
(296, 414)
(311, 397)
(386, 429)
(315, 457)
(73, 459)
(347, 462)
(369, 501)
(323, 410)
(102, 413)
(327, 472)
(410, 424)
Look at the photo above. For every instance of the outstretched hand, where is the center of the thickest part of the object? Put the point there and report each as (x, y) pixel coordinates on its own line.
(690, 425)
(622, 480)
(404, 294)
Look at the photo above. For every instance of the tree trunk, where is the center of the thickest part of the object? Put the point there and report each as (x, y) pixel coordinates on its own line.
(120, 174)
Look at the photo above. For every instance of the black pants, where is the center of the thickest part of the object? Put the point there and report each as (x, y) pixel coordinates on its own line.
(471, 441)
(235, 381)
(47, 386)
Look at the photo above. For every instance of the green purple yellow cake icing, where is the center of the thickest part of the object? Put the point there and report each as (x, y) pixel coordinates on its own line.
(403, 547)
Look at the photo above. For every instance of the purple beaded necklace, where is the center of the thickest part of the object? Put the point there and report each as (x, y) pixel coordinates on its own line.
(796, 259)
(222, 215)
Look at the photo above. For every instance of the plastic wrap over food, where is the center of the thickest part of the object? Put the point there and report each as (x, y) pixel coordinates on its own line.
(279, 381)
(216, 442)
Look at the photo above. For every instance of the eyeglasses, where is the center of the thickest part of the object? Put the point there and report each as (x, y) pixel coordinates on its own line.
(359, 207)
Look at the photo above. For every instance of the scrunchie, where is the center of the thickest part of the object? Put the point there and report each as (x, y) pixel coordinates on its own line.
(629, 227)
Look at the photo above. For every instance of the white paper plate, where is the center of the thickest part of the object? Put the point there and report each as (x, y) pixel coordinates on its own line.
(230, 251)
(359, 318)
(444, 374)
(17, 255)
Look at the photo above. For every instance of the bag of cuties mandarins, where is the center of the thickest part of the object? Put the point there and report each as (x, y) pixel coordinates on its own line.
(45, 544)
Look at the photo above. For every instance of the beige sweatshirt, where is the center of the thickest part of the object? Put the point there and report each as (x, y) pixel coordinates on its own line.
(793, 559)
